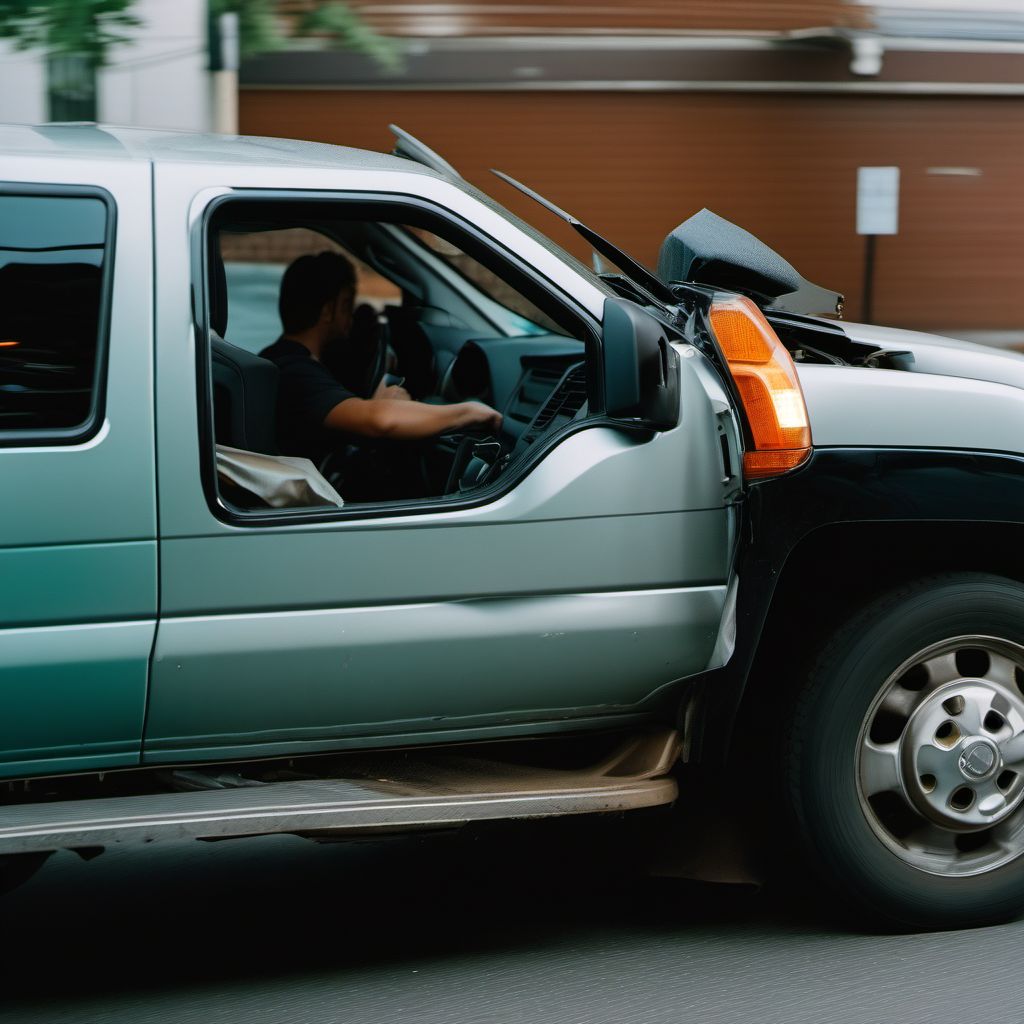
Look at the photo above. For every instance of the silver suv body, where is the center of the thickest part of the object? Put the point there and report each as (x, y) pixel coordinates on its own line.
(605, 571)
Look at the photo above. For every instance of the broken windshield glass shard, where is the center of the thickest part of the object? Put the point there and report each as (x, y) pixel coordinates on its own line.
(636, 271)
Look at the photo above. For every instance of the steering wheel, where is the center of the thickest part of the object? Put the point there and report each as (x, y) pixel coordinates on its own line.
(375, 365)
(477, 461)
(359, 360)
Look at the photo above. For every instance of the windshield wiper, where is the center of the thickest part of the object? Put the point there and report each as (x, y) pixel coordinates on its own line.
(652, 286)
(627, 287)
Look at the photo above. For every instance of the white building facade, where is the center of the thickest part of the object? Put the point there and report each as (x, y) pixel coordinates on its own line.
(159, 78)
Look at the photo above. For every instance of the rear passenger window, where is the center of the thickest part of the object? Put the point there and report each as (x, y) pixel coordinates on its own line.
(52, 263)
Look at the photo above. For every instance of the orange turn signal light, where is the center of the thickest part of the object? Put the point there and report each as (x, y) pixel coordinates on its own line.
(768, 385)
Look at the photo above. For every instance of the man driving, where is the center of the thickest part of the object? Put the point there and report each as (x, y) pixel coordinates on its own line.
(315, 412)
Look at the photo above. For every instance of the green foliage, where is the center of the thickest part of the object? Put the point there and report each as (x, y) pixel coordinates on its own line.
(90, 28)
(347, 30)
(260, 30)
(87, 28)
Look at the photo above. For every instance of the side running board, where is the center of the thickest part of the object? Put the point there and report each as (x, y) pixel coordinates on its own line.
(422, 788)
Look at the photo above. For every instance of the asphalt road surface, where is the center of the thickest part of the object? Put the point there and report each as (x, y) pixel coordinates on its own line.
(527, 923)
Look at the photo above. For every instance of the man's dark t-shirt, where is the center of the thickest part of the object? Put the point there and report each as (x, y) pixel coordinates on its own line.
(306, 392)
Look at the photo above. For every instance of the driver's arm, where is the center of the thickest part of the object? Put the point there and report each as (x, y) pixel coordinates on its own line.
(407, 420)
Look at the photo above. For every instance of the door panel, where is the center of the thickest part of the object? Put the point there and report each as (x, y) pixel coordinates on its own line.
(345, 566)
(530, 610)
(75, 696)
(78, 576)
(351, 673)
(599, 577)
(58, 583)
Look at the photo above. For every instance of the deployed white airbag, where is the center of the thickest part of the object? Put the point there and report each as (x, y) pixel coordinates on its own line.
(282, 481)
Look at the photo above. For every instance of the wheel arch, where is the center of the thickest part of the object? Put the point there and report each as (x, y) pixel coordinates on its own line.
(853, 563)
(858, 560)
(849, 526)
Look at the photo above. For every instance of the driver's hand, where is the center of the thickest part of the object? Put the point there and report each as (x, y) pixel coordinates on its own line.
(393, 392)
(476, 414)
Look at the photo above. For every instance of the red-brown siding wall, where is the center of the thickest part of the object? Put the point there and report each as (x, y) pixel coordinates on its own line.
(784, 166)
(498, 17)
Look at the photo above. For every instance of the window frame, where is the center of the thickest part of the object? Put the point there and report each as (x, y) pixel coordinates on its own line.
(464, 229)
(90, 426)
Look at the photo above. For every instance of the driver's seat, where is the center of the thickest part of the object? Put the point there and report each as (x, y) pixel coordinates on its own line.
(244, 398)
(244, 385)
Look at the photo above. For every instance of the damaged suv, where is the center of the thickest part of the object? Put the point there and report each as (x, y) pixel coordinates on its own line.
(720, 534)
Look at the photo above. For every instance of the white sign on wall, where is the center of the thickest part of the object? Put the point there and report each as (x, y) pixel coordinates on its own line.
(878, 200)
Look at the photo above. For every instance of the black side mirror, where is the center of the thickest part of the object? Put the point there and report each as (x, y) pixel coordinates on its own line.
(641, 368)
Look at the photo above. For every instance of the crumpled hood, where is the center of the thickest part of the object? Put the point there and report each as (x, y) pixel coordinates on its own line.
(947, 357)
(952, 395)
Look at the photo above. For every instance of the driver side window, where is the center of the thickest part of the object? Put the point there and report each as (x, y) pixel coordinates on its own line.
(402, 368)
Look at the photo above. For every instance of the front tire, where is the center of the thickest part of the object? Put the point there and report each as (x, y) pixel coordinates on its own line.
(903, 761)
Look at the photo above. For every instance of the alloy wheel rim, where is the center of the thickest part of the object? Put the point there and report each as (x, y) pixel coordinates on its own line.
(940, 757)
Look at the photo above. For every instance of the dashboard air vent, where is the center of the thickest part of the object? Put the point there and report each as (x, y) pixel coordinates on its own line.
(532, 391)
(565, 401)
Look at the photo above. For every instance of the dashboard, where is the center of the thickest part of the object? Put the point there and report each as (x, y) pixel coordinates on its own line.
(522, 378)
(538, 383)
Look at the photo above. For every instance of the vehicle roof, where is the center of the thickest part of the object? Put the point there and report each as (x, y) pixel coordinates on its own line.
(111, 142)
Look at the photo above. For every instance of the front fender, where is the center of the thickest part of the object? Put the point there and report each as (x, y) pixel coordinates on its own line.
(976, 493)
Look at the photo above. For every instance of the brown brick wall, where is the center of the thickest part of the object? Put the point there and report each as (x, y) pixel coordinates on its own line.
(286, 245)
(501, 17)
(784, 166)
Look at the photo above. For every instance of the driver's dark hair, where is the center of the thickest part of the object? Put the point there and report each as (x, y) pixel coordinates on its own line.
(309, 283)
